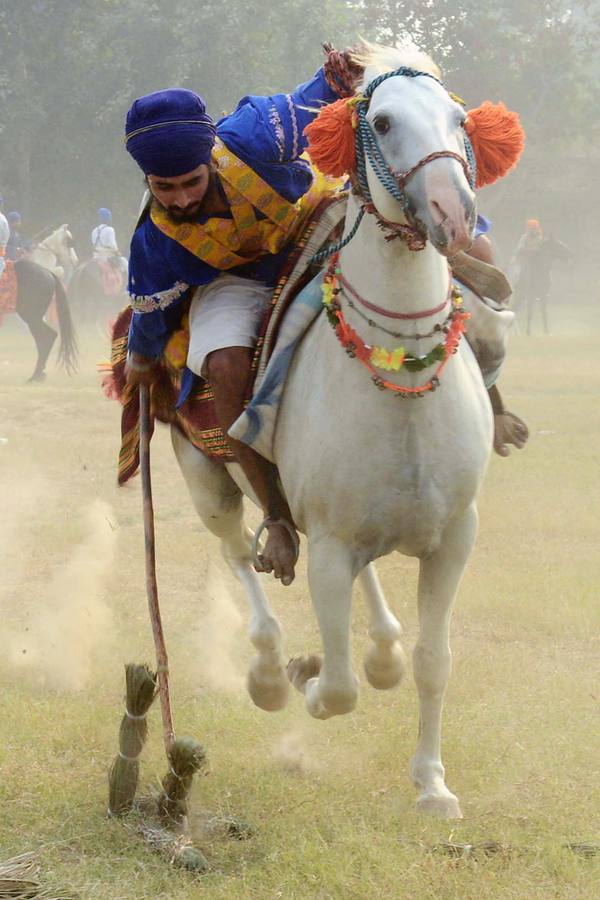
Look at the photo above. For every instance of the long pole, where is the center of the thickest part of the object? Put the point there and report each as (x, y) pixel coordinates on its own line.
(162, 662)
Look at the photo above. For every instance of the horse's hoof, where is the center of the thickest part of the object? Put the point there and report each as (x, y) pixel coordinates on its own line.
(444, 806)
(385, 666)
(270, 694)
(36, 379)
(301, 668)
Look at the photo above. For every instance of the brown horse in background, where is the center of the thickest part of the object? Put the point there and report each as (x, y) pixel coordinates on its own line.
(36, 288)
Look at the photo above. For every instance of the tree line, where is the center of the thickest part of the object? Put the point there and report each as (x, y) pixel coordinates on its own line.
(69, 70)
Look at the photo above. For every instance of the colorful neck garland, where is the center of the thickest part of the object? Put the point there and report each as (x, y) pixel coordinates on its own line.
(374, 358)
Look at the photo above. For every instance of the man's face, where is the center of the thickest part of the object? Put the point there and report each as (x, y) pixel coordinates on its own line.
(181, 196)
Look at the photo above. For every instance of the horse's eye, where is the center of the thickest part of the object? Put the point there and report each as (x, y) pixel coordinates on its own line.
(381, 124)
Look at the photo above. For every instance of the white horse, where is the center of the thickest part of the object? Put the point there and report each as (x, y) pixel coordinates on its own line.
(56, 253)
(367, 471)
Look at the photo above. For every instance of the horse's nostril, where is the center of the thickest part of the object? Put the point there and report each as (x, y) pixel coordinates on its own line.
(439, 214)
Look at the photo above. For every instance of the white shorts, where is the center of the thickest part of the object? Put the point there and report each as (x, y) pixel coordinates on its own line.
(225, 313)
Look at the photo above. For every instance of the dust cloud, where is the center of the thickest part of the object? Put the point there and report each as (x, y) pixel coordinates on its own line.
(55, 613)
(292, 753)
(219, 637)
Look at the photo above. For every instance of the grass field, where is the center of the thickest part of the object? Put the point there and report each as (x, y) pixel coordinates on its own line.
(331, 803)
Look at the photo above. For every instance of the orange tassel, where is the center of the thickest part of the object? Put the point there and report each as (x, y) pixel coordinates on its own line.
(498, 140)
(331, 139)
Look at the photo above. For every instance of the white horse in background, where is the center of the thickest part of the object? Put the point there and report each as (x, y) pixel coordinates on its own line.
(56, 253)
(367, 471)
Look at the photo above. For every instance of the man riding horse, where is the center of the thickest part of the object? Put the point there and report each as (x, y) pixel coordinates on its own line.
(8, 288)
(104, 241)
(227, 201)
(533, 261)
(4, 238)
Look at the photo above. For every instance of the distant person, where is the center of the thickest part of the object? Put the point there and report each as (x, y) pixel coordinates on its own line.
(14, 247)
(535, 257)
(104, 241)
(529, 242)
(4, 238)
(8, 281)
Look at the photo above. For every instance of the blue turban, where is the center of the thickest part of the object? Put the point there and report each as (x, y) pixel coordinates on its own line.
(105, 215)
(14, 218)
(169, 133)
(482, 226)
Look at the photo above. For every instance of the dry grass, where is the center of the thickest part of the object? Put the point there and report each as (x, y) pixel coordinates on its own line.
(331, 803)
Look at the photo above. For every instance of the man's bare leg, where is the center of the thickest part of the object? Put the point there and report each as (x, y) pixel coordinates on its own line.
(227, 371)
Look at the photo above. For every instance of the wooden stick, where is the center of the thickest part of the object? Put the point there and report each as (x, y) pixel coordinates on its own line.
(162, 662)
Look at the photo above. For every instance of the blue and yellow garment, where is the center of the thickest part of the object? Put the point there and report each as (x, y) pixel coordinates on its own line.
(270, 191)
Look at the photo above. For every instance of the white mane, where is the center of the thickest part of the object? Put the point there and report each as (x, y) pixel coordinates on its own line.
(378, 58)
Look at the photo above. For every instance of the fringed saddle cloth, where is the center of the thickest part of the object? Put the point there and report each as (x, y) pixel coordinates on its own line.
(113, 282)
(196, 417)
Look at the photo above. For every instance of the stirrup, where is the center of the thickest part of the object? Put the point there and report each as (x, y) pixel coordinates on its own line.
(258, 534)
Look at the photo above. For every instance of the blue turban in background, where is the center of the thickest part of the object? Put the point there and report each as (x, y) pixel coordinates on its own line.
(14, 218)
(169, 133)
(105, 215)
(482, 226)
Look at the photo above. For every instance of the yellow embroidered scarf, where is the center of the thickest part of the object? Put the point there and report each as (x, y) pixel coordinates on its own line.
(226, 243)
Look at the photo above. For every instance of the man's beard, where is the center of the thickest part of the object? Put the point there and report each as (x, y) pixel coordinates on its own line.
(194, 211)
(191, 214)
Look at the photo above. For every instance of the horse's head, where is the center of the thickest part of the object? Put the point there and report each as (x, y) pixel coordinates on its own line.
(63, 246)
(413, 154)
(419, 129)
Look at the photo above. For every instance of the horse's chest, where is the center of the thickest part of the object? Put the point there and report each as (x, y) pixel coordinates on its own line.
(375, 470)
(406, 500)
(390, 488)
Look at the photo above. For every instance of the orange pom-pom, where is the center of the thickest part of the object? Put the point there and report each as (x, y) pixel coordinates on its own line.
(498, 140)
(331, 139)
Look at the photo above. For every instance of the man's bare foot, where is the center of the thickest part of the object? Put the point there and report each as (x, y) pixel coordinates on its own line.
(509, 429)
(281, 551)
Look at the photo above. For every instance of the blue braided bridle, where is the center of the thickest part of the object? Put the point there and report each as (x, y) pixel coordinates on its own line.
(368, 150)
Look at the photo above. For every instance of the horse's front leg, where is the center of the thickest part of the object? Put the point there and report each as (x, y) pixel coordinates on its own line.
(218, 502)
(439, 578)
(384, 661)
(330, 686)
(266, 682)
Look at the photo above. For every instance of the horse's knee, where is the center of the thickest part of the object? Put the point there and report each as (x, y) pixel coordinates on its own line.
(265, 634)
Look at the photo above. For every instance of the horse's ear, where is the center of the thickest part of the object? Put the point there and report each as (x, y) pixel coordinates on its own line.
(331, 144)
(498, 140)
